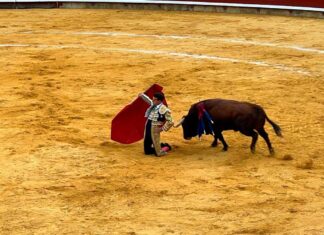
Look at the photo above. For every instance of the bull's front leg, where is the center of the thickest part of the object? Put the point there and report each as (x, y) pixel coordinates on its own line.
(215, 142)
(221, 138)
(219, 135)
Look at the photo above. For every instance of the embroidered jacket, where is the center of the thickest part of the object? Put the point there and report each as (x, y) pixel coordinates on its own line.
(160, 114)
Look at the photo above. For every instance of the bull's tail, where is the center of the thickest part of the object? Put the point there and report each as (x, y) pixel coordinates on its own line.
(276, 127)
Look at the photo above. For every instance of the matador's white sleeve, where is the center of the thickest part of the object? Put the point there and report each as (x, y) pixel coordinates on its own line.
(168, 118)
(146, 99)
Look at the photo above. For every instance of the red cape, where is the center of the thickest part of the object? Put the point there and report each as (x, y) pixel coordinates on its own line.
(128, 125)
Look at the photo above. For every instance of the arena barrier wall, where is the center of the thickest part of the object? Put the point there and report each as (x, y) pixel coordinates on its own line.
(302, 8)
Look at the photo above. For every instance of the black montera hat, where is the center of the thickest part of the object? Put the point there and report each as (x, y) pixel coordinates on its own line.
(159, 96)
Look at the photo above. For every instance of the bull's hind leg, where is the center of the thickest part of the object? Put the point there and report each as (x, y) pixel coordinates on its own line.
(254, 136)
(265, 136)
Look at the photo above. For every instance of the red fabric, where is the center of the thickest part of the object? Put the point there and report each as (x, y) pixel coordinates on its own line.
(201, 110)
(128, 125)
(299, 3)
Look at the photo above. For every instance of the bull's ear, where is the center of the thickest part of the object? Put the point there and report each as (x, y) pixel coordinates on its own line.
(180, 122)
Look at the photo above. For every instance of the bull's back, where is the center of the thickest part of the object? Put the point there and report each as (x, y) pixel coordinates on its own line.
(232, 113)
(228, 108)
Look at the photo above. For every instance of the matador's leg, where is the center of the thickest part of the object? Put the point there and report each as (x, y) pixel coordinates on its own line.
(148, 143)
(156, 141)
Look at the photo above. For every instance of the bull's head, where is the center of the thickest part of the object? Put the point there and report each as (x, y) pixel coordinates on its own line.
(189, 124)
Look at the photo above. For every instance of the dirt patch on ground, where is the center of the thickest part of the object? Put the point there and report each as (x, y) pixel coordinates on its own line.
(66, 73)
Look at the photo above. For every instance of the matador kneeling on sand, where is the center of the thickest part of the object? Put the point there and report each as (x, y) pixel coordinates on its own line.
(158, 119)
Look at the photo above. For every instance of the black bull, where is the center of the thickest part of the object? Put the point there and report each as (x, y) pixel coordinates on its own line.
(247, 118)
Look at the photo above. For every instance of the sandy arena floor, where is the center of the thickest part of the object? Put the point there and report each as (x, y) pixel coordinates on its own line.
(66, 73)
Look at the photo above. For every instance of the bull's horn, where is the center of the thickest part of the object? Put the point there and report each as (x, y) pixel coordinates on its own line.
(179, 123)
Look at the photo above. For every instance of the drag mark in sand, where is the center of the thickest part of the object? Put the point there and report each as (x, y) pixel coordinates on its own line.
(166, 53)
(181, 37)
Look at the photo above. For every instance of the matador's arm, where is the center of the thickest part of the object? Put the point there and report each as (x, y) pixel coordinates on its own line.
(146, 98)
(169, 122)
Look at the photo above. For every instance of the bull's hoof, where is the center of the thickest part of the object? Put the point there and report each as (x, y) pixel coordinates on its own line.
(253, 150)
(224, 149)
(213, 145)
(272, 152)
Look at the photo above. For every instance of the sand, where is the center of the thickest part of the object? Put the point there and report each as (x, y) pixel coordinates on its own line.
(66, 73)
